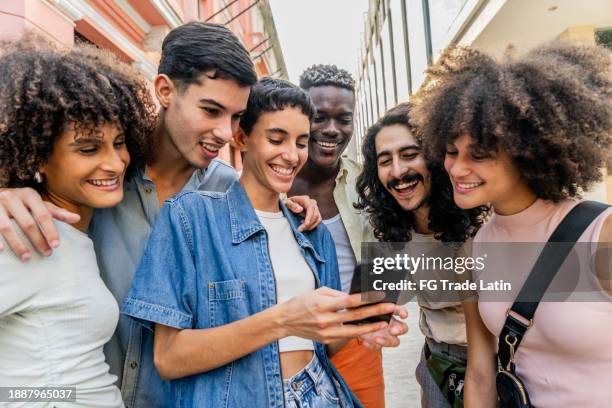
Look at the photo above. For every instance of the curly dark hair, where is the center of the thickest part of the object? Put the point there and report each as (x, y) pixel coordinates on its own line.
(323, 75)
(44, 89)
(549, 109)
(391, 222)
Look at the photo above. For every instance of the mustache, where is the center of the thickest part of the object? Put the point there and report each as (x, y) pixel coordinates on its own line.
(406, 178)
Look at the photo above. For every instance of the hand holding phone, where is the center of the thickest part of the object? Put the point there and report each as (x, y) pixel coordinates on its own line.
(369, 295)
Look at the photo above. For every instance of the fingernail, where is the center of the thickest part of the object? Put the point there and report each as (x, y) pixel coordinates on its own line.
(26, 256)
(54, 243)
(47, 252)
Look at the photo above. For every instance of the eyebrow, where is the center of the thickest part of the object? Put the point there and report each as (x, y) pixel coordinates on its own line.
(326, 112)
(85, 140)
(212, 102)
(401, 149)
(277, 130)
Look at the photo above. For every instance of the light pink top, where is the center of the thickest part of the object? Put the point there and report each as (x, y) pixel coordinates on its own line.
(565, 358)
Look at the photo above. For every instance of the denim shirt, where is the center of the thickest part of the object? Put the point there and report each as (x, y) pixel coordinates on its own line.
(120, 235)
(206, 265)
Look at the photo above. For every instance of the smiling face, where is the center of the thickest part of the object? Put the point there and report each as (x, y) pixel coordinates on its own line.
(401, 167)
(87, 171)
(276, 149)
(200, 119)
(332, 126)
(480, 179)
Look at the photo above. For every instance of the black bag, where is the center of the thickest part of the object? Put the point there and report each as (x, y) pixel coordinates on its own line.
(519, 318)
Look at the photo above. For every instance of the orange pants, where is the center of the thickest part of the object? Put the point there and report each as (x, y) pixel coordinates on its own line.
(362, 369)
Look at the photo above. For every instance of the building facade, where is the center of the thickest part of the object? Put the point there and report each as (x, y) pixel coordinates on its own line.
(134, 29)
(403, 37)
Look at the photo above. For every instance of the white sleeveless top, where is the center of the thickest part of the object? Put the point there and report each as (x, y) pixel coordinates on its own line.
(344, 251)
(56, 314)
(293, 275)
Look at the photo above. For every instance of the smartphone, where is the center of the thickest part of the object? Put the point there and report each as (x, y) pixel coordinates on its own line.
(365, 269)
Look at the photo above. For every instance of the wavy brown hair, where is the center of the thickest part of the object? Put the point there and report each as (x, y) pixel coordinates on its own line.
(550, 109)
(44, 89)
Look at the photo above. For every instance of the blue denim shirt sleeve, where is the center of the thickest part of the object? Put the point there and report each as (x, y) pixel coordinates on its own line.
(162, 290)
(332, 272)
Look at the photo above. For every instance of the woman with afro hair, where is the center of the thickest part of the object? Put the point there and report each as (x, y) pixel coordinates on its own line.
(526, 135)
(70, 123)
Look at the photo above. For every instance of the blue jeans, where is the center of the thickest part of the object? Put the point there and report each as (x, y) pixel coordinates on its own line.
(311, 387)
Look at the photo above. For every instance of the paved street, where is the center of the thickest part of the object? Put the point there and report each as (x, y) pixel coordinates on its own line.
(402, 390)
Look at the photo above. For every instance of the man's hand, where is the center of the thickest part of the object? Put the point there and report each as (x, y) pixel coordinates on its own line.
(387, 337)
(312, 218)
(34, 217)
(319, 316)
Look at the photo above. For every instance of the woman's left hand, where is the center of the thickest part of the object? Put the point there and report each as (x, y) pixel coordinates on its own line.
(306, 207)
(389, 336)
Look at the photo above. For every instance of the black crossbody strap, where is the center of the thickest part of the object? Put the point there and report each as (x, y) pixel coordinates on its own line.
(520, 315)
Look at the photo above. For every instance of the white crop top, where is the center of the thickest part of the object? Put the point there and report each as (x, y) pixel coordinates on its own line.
(293, 275)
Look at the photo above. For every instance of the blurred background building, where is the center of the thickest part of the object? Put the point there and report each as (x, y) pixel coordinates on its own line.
(134, 29)
(402, 38)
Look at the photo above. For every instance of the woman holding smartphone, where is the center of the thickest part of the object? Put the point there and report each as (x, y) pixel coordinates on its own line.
(246, 309)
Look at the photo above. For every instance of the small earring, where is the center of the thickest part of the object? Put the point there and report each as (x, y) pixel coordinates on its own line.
(38, 178)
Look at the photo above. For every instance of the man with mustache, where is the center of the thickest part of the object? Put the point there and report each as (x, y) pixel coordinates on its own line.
(330, 179)
(408, 199)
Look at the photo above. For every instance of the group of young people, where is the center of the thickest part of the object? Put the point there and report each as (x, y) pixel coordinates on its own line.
(232, 294)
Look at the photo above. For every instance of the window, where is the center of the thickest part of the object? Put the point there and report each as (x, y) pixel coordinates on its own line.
(442, 14)
(604, 37)
(418, 49)
(390, 92)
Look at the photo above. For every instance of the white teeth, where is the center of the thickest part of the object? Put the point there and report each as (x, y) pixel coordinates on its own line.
(282, 170)
(104, 183)
(210, 147)
(468, 185)
(326, 144)
(406, 185)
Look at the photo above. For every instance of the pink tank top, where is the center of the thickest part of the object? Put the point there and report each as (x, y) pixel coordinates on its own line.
(565, 358)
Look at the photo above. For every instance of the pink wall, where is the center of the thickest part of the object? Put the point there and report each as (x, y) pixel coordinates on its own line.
(17, 16)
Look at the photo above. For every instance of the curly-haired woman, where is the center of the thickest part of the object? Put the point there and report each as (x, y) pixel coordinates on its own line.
(69, 122)
(527, 134)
